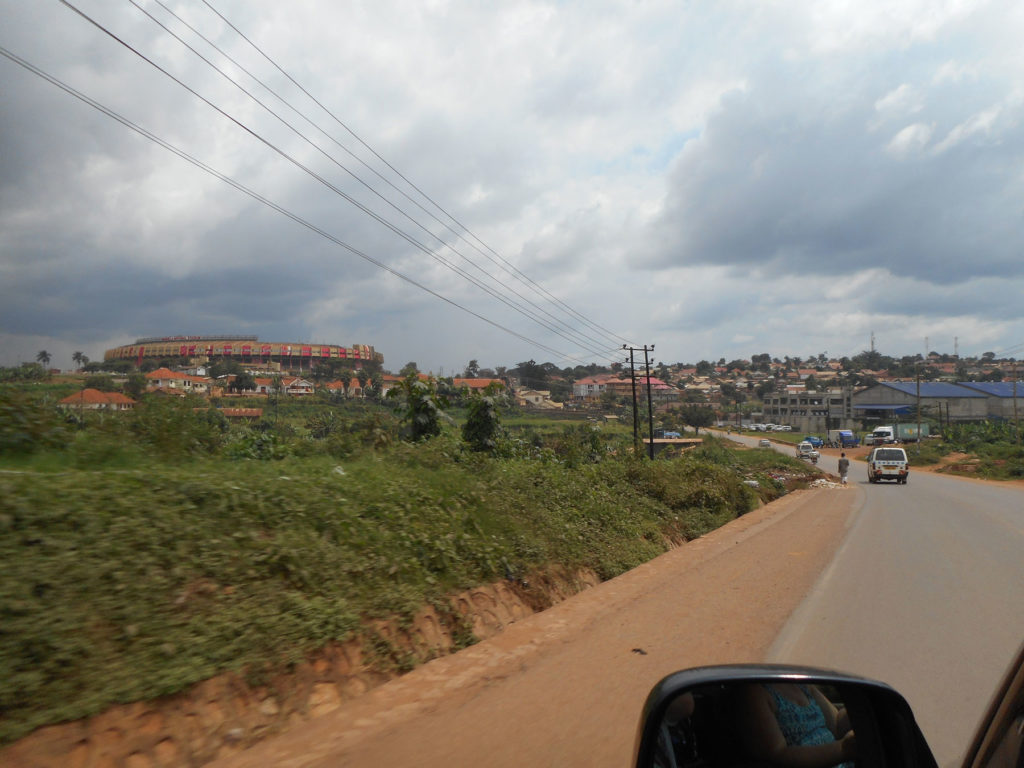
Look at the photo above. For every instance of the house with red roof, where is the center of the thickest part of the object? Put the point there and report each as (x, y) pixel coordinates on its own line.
(476, 385)
(94, 400)
(168, 380)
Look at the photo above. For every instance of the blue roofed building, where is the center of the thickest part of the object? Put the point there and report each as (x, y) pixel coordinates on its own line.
(941, 401)
(1001, 397)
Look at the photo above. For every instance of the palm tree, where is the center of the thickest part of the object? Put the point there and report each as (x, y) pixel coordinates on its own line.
(77, 357)
(43, 357)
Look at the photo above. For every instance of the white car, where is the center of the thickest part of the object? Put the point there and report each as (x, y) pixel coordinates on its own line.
(764, 443)
(888, 463)
(805, 450)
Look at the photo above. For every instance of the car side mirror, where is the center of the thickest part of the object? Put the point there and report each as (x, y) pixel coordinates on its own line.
(754, 716)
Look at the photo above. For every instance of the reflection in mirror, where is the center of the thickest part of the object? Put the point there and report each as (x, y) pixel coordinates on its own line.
(748, 724)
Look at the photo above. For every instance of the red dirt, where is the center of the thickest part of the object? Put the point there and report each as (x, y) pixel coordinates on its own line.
(565, 687)
(580, 667)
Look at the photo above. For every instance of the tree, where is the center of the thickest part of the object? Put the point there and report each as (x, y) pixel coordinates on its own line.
(697, 416)
(226, 367)
(345, 375)
(532, 374)
(423, 407)
(99, 381)
(482, 426)
(408, 368)
(78, 358)
(43, 357)
(704, 368)
(135, 386)
(376, 389)
(472, 370)
(766, 387)
(243, 382)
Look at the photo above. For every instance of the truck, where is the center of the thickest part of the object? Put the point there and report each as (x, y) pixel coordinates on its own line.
(881, 436)
(907, 433)
(842, 438)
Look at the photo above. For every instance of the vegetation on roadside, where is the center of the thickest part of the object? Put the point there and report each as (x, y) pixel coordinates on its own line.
(149, 550)
(992, 449)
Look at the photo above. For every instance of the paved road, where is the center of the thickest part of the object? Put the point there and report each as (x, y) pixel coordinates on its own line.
(927, 593)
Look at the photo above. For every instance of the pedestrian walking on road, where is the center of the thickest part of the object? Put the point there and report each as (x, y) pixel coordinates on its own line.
(844, 468)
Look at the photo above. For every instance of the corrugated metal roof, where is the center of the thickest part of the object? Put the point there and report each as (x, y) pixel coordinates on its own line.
(899, 409)
(995, 388)
(932, 389)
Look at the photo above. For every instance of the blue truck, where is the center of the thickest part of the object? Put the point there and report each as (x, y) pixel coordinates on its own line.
(842, 438)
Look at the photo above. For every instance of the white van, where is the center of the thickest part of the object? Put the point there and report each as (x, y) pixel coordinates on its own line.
(888, 463)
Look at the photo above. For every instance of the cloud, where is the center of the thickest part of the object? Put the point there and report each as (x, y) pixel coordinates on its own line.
(690, 175)
(900, 101)
(979, 124)
(910, 140)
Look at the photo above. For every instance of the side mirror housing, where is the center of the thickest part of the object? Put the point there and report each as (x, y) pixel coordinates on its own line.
(742, 716)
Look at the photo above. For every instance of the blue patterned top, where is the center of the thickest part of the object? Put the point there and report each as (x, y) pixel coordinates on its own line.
(802, 726)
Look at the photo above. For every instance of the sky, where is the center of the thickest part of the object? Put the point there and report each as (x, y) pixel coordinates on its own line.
(501, 182)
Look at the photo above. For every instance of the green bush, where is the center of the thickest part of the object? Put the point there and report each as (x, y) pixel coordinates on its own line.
(483, 425)
(28, 426)
(174, 429)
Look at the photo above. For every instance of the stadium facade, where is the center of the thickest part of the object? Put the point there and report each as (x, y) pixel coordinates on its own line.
(245, 349)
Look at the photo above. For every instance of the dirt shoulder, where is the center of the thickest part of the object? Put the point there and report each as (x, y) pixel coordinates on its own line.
(566, 686)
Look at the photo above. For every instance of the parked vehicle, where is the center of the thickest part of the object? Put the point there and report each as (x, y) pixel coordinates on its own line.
(888, 463)
(882, 436)
(710, 717)
(842, 438)
(814, 440)
(764, 442)
(806, 451)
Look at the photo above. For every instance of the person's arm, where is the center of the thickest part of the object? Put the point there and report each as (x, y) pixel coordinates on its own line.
(838, 721)
(763, 739)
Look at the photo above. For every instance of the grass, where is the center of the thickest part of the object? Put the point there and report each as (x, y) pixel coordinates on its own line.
(143, 577)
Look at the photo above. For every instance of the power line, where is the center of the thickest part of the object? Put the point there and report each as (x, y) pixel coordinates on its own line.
(260, 198)
(270, 145)
(514, 270)
(586, 339)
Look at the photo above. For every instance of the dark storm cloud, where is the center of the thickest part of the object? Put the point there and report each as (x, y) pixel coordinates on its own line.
(793, 184)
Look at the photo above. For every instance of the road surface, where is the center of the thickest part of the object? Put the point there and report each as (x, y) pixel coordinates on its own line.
(917, 585)
(927, 593)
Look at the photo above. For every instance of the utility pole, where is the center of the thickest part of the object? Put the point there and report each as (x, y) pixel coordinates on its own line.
(650, 407)
(650, 404)
(918, 410)
(1016, 421)
(632, 378)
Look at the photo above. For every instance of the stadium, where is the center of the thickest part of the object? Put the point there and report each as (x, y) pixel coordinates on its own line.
(248, 350)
